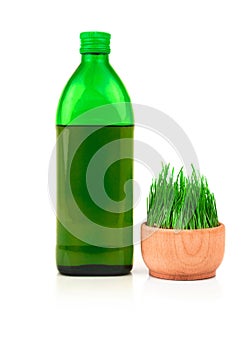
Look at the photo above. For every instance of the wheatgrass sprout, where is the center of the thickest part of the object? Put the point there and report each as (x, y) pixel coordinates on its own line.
(184, 202)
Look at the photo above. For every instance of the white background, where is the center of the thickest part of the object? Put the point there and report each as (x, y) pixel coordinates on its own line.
(190, 59)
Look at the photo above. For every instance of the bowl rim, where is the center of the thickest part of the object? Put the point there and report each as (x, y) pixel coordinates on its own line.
(221, 226)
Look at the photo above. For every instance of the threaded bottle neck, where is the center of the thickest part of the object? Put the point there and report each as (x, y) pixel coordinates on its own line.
(95, 42)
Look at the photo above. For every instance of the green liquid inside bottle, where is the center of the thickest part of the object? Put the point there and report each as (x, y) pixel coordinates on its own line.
(94, 167)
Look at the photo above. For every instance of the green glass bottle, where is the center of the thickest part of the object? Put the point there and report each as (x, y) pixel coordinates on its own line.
(94, 167)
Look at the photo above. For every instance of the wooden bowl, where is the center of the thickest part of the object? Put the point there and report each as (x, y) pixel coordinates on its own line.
(182, 255)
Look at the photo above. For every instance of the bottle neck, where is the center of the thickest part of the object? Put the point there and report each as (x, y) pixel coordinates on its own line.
(95, 58)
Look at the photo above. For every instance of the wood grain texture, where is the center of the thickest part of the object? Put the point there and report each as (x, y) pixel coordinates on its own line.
(182, 255)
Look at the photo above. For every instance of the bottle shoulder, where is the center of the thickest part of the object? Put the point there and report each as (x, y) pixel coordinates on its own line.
(90, 87)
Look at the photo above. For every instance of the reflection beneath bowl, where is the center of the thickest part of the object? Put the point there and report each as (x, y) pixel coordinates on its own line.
(203, 290)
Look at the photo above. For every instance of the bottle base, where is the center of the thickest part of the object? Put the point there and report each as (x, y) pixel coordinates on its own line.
(95, 270)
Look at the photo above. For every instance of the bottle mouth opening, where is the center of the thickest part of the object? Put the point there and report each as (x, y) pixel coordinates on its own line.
(95, 42)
